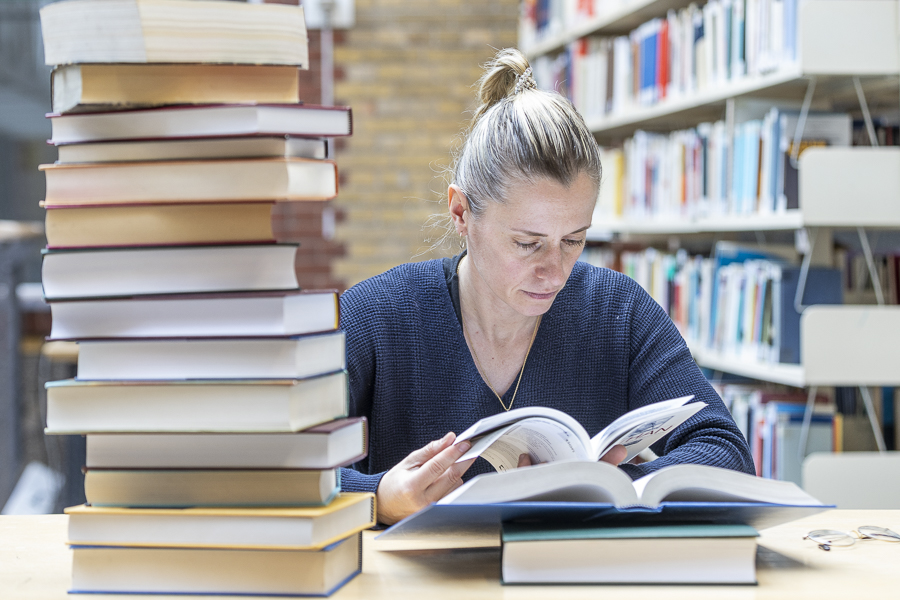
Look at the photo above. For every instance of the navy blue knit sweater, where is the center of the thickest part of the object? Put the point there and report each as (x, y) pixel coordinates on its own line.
(604, 348)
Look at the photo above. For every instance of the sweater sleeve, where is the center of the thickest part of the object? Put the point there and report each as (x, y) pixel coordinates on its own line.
(360, 325)
(661, 367)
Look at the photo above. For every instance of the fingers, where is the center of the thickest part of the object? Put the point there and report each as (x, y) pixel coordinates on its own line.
(448, 481)
(524, 460)
(615, 455)
(440, 463)
(421, 456)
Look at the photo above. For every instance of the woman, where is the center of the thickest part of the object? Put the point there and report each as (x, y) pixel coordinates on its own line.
(514, 320)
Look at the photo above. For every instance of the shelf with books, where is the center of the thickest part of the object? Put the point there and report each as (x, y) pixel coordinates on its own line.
(682, 68)
(603, 229)
(608, 20)
(752, 368)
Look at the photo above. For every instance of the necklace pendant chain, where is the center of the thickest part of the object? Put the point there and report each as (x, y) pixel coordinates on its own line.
(521, 371)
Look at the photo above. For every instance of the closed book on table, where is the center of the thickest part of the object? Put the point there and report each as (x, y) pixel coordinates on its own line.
(225, 180)
(255, 405)
(174, 488)
(708, 554)
(197, 315)
(167, 270)
(159, 224)
(306, 528)
(326, 446)
(98, 569)
(246, 146)
(173, 122)
(220, 358)
(87, 87)
(173, 31)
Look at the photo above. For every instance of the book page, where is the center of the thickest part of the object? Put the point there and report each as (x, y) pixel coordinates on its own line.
(544, 440)
(639, 428)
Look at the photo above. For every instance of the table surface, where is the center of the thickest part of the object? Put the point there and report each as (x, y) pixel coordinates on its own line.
(35, 564)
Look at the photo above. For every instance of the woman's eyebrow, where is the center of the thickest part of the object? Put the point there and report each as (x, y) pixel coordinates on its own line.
(536, 234)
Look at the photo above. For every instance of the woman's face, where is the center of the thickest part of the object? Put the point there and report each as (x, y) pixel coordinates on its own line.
(523, 250)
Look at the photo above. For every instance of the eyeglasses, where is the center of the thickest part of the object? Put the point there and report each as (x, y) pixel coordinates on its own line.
(826, 538)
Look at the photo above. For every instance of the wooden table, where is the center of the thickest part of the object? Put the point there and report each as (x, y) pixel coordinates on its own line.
(35, 564)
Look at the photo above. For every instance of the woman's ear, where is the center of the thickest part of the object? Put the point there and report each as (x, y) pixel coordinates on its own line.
(458, 204)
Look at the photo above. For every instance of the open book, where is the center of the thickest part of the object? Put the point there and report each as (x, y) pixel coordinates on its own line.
(549, 435)
(604, 483)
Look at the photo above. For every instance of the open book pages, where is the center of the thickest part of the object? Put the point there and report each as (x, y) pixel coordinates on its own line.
(604, 483)
(549, 435)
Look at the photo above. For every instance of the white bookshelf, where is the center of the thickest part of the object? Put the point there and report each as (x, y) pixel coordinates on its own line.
(839, 187)
(836, 39)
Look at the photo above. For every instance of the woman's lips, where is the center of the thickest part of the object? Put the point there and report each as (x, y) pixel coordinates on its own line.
(537, 296)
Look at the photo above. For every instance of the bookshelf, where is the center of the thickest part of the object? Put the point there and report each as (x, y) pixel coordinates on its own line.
(839, 187)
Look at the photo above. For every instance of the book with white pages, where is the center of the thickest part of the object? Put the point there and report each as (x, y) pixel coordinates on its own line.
(247, 146)
(100, 273)
(330, 445)
(549, 435)
(221, 314)
(217, 358)
(224, 405)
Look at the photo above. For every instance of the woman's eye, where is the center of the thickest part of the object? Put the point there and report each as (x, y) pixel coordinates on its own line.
(527, 245)
(574, 243)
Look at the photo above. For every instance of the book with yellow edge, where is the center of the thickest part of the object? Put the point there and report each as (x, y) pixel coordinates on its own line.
(302, 528)
(159, 224)
(106, 86)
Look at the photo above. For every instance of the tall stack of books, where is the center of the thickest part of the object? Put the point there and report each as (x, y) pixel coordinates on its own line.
(211, 389)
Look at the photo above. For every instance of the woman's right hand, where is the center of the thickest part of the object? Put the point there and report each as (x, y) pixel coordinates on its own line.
(423, 477)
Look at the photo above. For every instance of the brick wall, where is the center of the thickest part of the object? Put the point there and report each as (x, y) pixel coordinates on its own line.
(302, 222)
(406, 68)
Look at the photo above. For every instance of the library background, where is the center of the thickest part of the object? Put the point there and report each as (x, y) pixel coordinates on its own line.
(751, 185)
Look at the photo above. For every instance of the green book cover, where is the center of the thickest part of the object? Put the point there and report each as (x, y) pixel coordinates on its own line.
(528, 532)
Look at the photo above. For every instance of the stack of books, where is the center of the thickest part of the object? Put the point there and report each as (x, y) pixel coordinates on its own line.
(211, 389)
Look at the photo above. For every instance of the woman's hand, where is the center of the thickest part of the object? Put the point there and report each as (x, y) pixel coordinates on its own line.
(613, 456)
(423, 477)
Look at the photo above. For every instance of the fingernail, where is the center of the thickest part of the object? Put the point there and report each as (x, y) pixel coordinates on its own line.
(464, 447)
(446, 437)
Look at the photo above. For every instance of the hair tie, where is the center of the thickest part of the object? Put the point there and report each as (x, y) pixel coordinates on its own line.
(524, 81)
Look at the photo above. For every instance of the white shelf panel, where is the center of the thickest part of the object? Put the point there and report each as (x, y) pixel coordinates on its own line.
(604, 230)
(626, 122)
(614, 22)
(785, 374)
(843, 187)
(851, 345)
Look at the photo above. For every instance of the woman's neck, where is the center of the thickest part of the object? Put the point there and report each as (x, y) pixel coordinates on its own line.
(486, 315)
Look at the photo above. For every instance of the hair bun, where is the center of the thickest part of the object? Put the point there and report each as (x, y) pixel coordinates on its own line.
(500, 79)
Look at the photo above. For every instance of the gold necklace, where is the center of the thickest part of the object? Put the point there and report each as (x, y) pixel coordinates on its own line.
(481, 369)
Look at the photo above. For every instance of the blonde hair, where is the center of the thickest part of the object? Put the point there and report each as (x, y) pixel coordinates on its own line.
(520, 134)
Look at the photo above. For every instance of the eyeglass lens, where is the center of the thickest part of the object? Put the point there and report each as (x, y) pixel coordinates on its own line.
(878, 533)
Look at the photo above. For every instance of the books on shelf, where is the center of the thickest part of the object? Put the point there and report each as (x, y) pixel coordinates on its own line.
(664, 554)
(227, 314)
(247, 146)
(223, 180)
(217, 120)
(173, 31)
(159, 224)
(91, 87)
(261, 358)
(175, 488)
(740, 305)
(298, 528)
(167, 270)
(327, 446)
(685, 174)
(227, 405)
(579, 481)
(549, 435)
(230, 571)
(685, 52)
